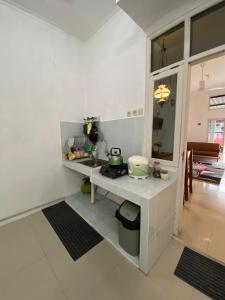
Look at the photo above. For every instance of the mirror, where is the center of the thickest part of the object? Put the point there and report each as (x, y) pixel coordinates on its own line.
(164, 113)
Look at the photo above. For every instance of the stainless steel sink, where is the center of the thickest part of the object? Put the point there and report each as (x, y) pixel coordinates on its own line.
(94, 163)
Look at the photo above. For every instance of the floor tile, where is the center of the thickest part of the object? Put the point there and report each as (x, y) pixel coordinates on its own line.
(216, 247)
(199, 296)
(82, 276)
(36, 282)
(162, 273)
(19, 248)
(102, 273)
(44, 232)
(126, 282)
(201, 225)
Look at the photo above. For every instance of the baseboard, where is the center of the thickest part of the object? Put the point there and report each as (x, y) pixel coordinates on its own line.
(28, 212)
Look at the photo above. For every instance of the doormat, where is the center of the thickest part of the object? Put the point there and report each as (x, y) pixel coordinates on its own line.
(202, 273)
(77, 236)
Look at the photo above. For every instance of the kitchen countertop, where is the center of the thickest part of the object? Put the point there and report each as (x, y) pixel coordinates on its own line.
(76, 166)
(133, 189)
(136, 190)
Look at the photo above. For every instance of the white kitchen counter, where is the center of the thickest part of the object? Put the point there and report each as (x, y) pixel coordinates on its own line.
(156, 199)
(136, 190)
(76, 166)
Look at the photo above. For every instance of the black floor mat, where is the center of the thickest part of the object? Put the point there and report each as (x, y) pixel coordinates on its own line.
(77, 235)
(202, 273)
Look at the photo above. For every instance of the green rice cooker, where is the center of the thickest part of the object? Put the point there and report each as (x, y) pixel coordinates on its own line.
(138, 167)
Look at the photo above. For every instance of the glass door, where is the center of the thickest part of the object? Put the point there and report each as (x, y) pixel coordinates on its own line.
(166, 92)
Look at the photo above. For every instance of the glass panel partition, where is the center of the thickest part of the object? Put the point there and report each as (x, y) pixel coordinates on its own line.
(164, 115)
(207, 29)
(168, 48)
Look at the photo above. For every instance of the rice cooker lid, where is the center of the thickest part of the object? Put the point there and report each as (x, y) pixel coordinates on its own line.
(138, 160)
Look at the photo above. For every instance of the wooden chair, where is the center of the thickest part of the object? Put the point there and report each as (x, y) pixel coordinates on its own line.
(188, 188)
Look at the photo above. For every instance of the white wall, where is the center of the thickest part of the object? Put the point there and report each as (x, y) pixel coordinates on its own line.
(47, 76)
(41, 83)
(116, 57)
(199, 113)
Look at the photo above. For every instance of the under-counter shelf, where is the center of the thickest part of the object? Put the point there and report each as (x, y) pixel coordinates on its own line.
(156, 199)
(101, 216)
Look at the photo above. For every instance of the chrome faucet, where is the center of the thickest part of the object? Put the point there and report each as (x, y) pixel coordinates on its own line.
(94, 154)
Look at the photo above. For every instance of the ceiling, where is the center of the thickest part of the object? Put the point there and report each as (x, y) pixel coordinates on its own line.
(147, 12)
(214, 74)
(80, 18)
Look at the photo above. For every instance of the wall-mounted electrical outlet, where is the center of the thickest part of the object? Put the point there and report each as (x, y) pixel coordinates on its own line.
(135, 113)
(140, 111)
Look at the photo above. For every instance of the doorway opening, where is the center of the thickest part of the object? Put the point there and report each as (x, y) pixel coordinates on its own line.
(203, 214)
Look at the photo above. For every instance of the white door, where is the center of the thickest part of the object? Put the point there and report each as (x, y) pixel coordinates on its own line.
(165, 127)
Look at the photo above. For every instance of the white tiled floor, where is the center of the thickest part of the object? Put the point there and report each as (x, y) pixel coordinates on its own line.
(34, 265)
(203, 220)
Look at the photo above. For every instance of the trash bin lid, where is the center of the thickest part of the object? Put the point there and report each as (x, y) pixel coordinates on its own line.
(129, 214)
(129, 210)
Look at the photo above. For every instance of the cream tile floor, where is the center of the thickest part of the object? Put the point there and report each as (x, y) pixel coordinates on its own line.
(35, 265)
(203, 220)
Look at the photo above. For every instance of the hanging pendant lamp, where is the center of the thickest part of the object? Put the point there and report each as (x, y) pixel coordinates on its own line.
(162, 93)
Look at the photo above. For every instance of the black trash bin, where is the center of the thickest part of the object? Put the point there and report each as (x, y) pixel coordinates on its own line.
(128, 215)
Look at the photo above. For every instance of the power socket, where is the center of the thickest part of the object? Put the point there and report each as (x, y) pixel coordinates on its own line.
(135, 113)
(140, 111)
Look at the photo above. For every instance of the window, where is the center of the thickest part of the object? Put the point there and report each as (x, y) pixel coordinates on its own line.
(168, 48)
(216, 132)
(217, 102)
(207, 29)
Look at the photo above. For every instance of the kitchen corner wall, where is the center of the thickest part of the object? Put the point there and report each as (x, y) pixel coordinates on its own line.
(116, 57)
(41, 83)
(47, 76)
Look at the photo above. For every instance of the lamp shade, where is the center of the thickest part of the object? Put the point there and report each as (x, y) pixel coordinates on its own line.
(162, 93)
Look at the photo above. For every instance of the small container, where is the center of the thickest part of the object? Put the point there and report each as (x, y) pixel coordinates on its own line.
(164, 175)
(156, 169)
(86, 186)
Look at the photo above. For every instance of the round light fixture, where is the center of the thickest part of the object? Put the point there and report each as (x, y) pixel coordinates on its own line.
(162, 93)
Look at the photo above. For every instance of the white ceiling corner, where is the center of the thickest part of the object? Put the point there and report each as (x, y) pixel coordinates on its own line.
(80, 18)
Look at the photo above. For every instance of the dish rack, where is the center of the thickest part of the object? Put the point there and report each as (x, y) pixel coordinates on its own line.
(75, 148)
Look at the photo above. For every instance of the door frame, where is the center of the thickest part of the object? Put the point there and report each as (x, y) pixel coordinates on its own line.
(186, 62)
(176, 144)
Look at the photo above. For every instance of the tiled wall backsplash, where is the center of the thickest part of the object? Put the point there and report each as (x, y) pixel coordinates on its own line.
(127, 134)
